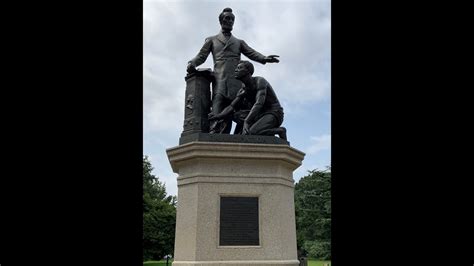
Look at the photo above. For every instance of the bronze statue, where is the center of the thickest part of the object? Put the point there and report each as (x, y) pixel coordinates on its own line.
(226, 50)
(256, 108)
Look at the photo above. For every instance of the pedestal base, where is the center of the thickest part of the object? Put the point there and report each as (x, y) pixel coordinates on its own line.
(237, 263)
(210, 171)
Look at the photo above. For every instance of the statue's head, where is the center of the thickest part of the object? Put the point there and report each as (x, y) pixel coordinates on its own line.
(243, 69)
(226, 19)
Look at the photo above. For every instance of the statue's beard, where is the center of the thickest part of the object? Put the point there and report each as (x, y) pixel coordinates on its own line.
(227, 28)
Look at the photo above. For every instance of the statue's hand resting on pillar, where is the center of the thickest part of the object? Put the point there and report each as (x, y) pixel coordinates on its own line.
(191, 68)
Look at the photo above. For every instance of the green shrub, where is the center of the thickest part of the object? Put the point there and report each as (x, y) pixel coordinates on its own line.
(317, 249)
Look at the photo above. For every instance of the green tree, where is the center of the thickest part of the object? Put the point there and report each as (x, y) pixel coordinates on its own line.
(159, 216)
(313, 214)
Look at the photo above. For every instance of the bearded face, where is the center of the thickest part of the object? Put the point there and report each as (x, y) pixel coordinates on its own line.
(227, 21)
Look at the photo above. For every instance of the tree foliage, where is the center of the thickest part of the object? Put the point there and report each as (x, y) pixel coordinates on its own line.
(159, 216)
(313, 214)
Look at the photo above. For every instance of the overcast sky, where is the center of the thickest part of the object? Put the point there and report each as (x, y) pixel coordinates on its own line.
(298, 31)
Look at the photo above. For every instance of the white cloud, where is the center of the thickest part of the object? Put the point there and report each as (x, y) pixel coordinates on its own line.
(319, 143)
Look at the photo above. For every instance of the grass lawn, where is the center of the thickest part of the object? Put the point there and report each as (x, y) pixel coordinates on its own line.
(157, 263)
(163, 263)
(318, 262)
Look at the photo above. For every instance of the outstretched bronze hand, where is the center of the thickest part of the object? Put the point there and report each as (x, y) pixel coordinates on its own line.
(272, 59)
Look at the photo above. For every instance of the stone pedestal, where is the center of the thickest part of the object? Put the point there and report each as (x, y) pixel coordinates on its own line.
(210, 171)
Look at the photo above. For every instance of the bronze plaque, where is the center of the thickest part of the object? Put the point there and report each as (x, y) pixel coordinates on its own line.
(239, 221)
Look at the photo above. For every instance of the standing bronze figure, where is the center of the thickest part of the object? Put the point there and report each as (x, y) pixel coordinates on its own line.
(226, 51)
